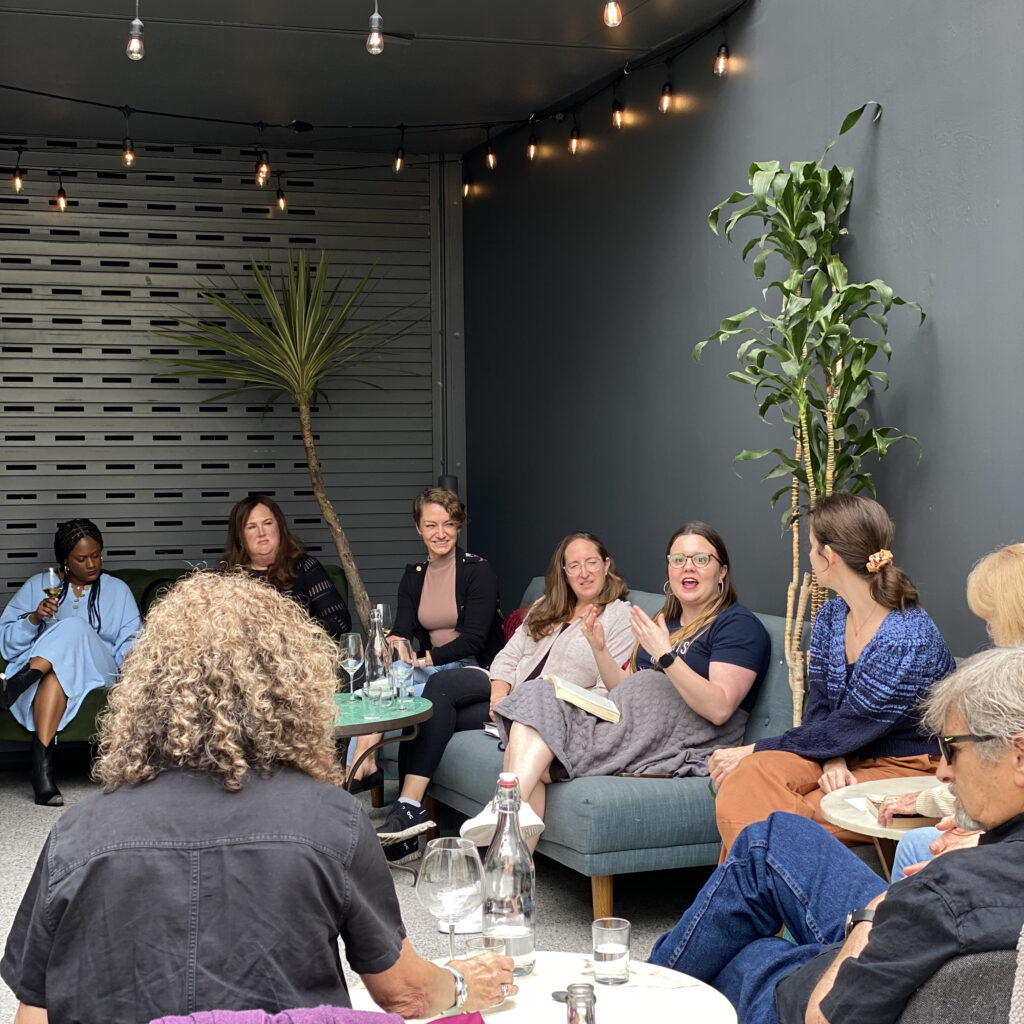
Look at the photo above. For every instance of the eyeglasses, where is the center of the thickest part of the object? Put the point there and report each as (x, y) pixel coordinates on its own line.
(948, 744)
(591, 564)
(701, 560)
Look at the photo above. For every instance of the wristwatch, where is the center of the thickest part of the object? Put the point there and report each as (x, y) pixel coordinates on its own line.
(461, 992)
(854, 917)
(667, 658)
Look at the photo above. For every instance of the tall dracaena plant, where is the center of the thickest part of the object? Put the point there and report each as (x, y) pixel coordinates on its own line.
(807, 360)
(289, 344)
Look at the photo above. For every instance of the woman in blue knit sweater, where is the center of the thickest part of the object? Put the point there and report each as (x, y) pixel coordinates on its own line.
(874, 654)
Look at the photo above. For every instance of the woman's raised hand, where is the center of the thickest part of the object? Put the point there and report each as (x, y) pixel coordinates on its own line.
(593, 631)
(651, 634)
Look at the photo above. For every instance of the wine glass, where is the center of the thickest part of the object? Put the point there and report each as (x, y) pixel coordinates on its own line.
(351, 656)
(386, 619)
(450, 884)
(402, 670)
(52, 583)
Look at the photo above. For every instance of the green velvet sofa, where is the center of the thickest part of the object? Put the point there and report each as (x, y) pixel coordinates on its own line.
(146, 586)
(607, 826)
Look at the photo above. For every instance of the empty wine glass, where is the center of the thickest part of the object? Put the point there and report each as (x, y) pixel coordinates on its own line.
(402, 670)
(450, 884)
(51, 583)
(351, 645)
(386, 619)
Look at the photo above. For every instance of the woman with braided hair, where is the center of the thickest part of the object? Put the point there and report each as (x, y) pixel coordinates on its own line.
(60, 648)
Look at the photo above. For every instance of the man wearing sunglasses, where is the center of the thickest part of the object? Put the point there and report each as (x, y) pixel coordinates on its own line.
(861, 951)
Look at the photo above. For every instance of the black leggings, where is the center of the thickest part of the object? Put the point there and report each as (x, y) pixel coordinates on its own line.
(461, 699)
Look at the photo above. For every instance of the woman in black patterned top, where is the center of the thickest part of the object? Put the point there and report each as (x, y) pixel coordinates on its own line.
(259, 540)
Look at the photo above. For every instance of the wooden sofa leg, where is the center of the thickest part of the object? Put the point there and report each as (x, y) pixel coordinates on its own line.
(377, 796)
(601, 895)
(431, 805)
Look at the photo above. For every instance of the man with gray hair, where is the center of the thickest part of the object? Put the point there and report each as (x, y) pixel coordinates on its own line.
(861, 951)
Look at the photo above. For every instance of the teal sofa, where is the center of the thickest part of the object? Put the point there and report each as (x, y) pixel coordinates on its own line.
(146, 586)
(607, 826)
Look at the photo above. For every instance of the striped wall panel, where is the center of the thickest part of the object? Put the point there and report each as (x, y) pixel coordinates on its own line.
(90, 427)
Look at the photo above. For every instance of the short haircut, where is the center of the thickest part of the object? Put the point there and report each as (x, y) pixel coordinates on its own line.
(448, 500)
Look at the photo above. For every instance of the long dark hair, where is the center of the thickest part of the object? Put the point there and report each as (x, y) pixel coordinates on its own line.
(282, 573)
(559, 600)
(65, 538)
(855, 528)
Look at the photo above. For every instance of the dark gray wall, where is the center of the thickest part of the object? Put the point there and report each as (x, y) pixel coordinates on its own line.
(589, 280)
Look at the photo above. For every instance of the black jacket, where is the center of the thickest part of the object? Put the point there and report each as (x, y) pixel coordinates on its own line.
(479, 624)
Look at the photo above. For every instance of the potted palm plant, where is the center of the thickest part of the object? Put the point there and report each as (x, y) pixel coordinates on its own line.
(288, 344)
(815, 358)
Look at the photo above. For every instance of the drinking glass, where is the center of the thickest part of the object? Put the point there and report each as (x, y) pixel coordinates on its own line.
(386, 619)
(611, 950)
(51, 583)
(450, 884)
(351, 656)
(402, 670)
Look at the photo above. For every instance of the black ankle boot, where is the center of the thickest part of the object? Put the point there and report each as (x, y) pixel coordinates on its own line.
(11, 689)
(41, 774)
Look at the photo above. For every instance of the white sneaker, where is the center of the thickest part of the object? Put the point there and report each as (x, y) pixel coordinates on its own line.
(471, 924)
(480, 828)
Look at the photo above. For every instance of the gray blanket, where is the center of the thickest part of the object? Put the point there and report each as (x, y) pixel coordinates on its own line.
(658, 733)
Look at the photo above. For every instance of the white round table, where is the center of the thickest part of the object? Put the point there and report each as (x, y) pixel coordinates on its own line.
(652, 993)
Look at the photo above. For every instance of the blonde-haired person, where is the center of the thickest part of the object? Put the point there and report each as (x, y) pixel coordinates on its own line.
(580, 583)
(223, 861)
(874, 654)
(995, 593)
(693, 678)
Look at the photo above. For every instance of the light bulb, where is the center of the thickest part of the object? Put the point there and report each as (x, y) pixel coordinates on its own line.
(665, 103)
(612, 15)
(62, 198)
(375, 40)
(18, 179)
(135, 49)
(128, 153)
(574, 140)
(722, 60)
(617, 112)
(261, 172)
(281, 201)
(490, 159)
(467, 184)
(399, 160)
(531, 148)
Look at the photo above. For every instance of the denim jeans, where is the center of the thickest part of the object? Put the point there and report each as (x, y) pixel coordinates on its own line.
(913, 847)
(786, 870)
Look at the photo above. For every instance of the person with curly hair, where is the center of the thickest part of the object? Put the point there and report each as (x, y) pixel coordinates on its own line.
(59, 647)
(260, 541)
(223, 860)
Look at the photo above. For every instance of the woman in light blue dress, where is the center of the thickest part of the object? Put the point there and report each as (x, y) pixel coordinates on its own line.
(59, 648)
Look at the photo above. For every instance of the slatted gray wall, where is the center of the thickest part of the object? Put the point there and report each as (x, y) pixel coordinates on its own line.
(88, 426)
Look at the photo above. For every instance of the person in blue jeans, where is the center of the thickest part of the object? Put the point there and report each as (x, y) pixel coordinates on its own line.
(784, 871)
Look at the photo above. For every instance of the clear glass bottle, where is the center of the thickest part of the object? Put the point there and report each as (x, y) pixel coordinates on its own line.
(377, 659)
(509, 880)
(579, 1004)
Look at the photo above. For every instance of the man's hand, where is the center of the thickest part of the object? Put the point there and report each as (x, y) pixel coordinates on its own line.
(904, 803)
(489, 980)
(723, 762)
(835, 775)
(953, 838)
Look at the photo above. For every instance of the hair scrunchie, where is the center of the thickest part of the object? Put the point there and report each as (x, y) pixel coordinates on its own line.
(879, 560)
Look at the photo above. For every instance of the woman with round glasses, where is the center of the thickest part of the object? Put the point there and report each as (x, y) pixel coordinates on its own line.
(874, 654)
(580, 586)
(688, 688)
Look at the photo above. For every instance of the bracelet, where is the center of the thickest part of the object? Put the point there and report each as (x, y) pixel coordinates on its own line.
(461, 992)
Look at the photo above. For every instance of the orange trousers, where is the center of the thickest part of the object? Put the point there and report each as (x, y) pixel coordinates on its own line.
(776, 780)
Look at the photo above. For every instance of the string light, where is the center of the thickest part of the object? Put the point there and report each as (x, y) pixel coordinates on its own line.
(467, 185)
(490, 158)
(18, 177)
(261, 172)
(127, 146)
(62, 196)
(612, 15)
(135, 49)
(574, 137)
(400, 152)
(282, 203)
(722, 61)
(618, 111)
(375, 40)
(531, 147)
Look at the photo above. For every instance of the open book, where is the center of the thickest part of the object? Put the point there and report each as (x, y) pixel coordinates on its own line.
(593, 703)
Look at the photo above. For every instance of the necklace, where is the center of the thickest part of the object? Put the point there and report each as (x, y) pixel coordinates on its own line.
(78, 594)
